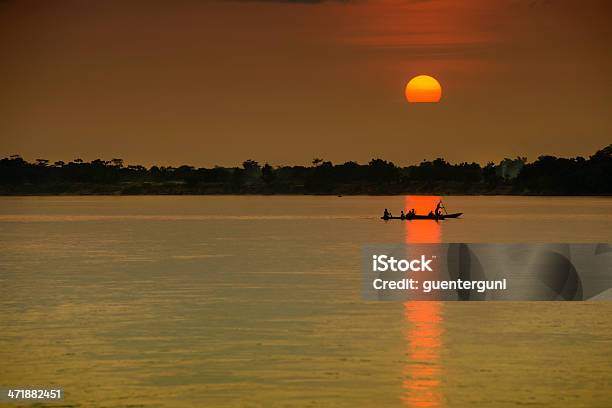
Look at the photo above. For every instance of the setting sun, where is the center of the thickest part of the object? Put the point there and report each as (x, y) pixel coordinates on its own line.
(423, 88)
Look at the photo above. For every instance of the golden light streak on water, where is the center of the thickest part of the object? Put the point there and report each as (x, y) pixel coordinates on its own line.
(424, 320)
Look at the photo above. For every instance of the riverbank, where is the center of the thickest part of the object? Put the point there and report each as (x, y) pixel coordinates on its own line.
(547, 175)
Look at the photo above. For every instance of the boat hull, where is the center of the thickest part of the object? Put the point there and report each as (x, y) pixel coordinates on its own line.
(423, 217)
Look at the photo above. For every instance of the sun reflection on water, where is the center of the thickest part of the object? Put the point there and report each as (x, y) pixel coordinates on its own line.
(424, 319)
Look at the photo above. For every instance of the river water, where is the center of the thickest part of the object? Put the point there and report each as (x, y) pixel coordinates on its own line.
(232, 301)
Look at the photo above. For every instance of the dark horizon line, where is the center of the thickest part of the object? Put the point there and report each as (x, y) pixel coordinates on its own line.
(78, 160)
(547, 175)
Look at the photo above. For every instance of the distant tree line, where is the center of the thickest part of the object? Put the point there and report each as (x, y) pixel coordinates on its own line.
(548, 175)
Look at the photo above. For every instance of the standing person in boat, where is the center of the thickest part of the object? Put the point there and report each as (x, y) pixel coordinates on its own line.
(438, 212)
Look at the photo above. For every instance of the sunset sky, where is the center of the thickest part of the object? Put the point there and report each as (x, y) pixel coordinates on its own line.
(218, 82)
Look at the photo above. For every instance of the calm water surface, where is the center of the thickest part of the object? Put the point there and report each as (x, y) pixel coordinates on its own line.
(255, 301)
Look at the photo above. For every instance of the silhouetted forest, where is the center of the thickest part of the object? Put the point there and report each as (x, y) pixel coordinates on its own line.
(547, 175)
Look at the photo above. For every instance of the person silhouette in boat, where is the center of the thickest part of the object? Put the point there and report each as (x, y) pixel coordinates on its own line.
(402, 216)
(438, 212)
(386, 214)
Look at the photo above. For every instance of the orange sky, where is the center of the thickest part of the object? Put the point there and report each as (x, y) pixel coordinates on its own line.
(218, 82)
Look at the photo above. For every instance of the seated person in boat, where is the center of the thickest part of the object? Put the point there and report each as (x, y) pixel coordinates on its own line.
(402, 216)
(386, 214)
